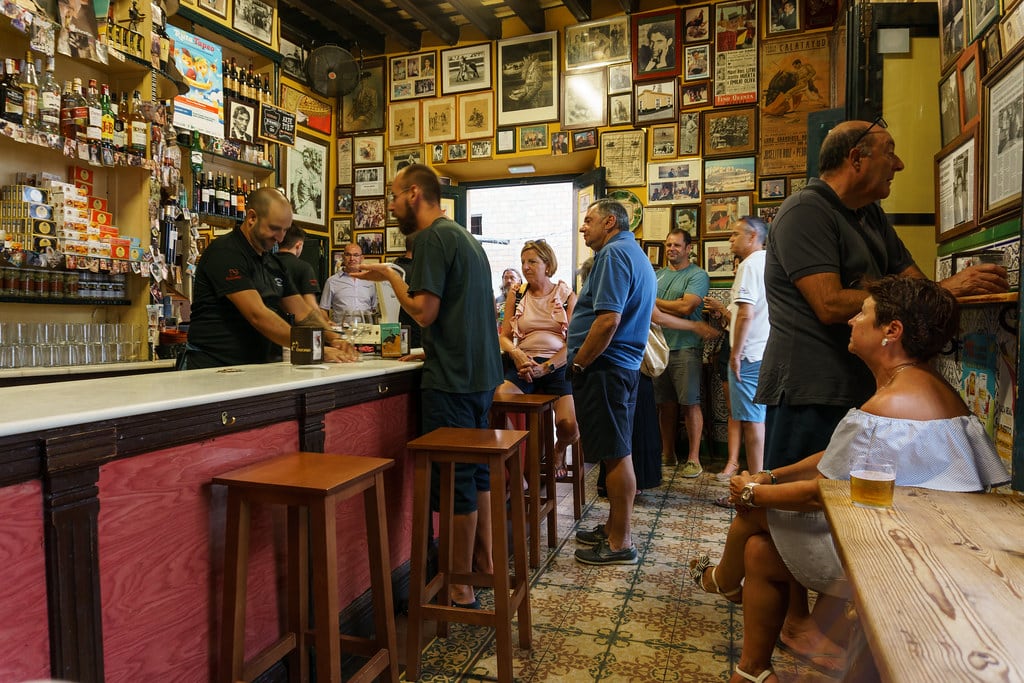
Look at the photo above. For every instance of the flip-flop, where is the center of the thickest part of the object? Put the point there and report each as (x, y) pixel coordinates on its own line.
(813, 660)
(562, 474)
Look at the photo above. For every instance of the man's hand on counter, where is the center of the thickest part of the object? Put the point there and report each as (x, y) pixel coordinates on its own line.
(340, 351)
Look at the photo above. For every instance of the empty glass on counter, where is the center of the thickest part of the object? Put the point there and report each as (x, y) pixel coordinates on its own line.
(60, 344)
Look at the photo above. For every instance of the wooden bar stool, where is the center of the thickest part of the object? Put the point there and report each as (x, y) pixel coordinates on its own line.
(499, 449)
(575, 476)
(311, 485)
(540, 461)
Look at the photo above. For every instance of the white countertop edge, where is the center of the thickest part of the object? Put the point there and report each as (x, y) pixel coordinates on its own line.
(38, 407)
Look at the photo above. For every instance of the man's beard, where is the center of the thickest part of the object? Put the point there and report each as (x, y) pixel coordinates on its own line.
(407, 224)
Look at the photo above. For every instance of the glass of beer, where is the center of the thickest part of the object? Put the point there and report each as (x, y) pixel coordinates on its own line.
(872, 480)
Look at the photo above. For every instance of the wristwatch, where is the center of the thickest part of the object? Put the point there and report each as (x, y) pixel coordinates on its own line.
(747, 494)
(577, 369)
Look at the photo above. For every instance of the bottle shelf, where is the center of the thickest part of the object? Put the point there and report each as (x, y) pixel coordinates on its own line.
(222, 161)
(65, 301)
(59, 145)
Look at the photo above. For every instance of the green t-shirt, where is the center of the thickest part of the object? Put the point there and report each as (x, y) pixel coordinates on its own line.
(673, 284)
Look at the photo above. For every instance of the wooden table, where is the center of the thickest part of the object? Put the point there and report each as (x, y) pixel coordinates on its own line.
(938, 581)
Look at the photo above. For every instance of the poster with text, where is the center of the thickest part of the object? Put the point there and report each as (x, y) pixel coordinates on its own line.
(735, 53)
(198, 60)
(794, 82)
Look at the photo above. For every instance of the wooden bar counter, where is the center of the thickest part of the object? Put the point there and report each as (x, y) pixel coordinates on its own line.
(938, 581)
(112, 534)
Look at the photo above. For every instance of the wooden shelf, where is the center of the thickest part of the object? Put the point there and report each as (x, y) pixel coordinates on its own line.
(984, 299)
(65, 301)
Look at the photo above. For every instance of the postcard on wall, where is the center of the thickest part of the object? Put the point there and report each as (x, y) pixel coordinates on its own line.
(735, 53)
(794, 82)
(344, 161)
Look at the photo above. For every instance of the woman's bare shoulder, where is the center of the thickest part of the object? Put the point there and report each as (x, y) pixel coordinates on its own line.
(921, 395)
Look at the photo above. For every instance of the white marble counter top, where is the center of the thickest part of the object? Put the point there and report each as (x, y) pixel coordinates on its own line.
(36, 407)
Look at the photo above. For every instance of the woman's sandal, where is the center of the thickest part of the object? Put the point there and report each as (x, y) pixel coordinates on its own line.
(756, 679)
(697, 569)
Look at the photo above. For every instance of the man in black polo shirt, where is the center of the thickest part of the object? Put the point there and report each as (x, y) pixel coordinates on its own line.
(300, 272)
(242, 294)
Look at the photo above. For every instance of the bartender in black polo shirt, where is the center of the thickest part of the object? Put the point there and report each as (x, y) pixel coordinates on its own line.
(242, 294)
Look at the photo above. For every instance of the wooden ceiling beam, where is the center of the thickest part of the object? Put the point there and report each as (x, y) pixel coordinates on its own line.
(435, 22)
(580, 9)
(487, 23)
(328, 22)
(628, 6)
(530, 12)
(388, 25)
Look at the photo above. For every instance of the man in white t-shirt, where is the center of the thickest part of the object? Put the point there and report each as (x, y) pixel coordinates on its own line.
(748, 334)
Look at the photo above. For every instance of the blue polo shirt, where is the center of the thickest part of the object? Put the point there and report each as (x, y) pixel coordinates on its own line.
(622, 280)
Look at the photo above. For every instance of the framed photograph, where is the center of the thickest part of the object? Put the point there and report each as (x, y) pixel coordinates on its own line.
(412, 76)
(949, 108)
(394, 240)
(656, 40)
(718, 258)
(620, 78)
(559, 143)
(992, 48)
(344, 161)
(657, 222)
(767, 212)
(687, 218)
(622, 155)
(369, 149)
(729, 175)
(255, 19)
(720, 212)
(663, 141)
(620, 109)
(528, 79)
(458, 151)
(533, 138)
(696, 63)
(969, 87)
(1011, 29)
(819, 13)
(369, 181)
(730, 131)
(343, 199)
(476, 115)
(596, 43)
(693, 94)
(951, 31)
(655, 101)
(481, 149)
(674, 182)
(505, 141)
(796, 184)
(341, 232)
(369, 214)
(466, 68)
(655, 253)
(293, 64)
(436, 153)
(305, 180)
(363, 108)
(956, 188)
(310, 111)
(783, 16)
(689, 134)
(1004, 138)
(584, 139)
(404, 123)
(438, 119)
(240, 121)
(980, 14)
(771, 189)
(400, 157)
(218, 7)
(585, 100)
(696, 28)
(371, 242)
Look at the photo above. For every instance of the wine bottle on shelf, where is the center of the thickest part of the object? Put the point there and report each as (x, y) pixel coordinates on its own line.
(209, 194)
(106, 127)
(240, 199)
(229, 90)
(30, 88)
(94, 128)
(67, 112)
(268, 96)
(81, 110)
(138, 127)
(50, 109)
(13, 97)
(121, 124)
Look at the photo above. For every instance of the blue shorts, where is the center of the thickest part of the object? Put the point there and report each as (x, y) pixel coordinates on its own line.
(742, 390)
(554, 383)
(444, 409)
(791, 433)
(605, 396)
(680, 383)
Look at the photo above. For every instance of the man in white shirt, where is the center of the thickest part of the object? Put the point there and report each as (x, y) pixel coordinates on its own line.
(342, 292)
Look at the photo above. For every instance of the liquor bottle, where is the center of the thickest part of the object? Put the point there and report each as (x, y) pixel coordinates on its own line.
(222, 195)
(240, 199)
(107, 119)
(50, 108)
(13, 96)
(254, 88)
(268, 96)
(138, 131)
(94, 129)
(67, 112)
(209, 198)
(30, 88)
(232, 74)
(121, 125)
(229, 90)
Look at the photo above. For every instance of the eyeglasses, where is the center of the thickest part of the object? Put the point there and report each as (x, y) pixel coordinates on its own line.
(392, 196)
(529, 244)
(879, 121)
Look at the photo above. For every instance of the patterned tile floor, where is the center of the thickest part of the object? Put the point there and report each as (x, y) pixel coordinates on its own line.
(623, 623)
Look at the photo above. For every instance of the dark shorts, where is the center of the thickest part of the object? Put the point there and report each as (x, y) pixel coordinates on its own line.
(794, 432)
(554, 383)
(443, 409)
(605, 397)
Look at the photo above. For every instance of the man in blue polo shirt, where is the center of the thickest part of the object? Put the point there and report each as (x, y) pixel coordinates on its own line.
(607, 336)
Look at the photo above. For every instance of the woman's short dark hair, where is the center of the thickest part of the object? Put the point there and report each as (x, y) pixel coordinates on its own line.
(929, 313)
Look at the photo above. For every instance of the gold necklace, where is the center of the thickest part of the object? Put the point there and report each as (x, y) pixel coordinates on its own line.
(895, 371)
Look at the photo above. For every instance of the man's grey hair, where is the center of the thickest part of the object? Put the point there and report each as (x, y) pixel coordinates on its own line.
(609, 207)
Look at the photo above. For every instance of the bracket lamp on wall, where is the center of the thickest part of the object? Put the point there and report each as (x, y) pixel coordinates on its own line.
(522, 168)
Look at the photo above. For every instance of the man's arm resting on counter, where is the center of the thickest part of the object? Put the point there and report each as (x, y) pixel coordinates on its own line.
(830, 302)
(265, 321)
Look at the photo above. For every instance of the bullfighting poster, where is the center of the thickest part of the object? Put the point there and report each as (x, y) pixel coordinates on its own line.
(735, 53)
(794, 82)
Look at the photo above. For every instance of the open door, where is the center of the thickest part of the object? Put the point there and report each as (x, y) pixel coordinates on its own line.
(587, 189)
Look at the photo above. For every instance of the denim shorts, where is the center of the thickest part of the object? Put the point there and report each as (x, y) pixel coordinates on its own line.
(605, 396)
(444, 409)
(742, 390)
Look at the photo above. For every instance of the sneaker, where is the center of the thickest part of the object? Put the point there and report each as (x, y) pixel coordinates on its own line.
(595, 536)
(691, 469)
(602, 554)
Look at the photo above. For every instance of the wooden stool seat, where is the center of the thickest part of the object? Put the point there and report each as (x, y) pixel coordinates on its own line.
(499, 449)
(310, 485)
(540, 460)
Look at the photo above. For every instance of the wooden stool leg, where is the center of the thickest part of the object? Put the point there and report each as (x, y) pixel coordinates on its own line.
(380, 574)
(578, 490)
(533, 469)
(502, 612)
(298, 591)
(547, 421)
(418, 568)
(323, 539)
(445, 551)
(521, 575)
(236, 569)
